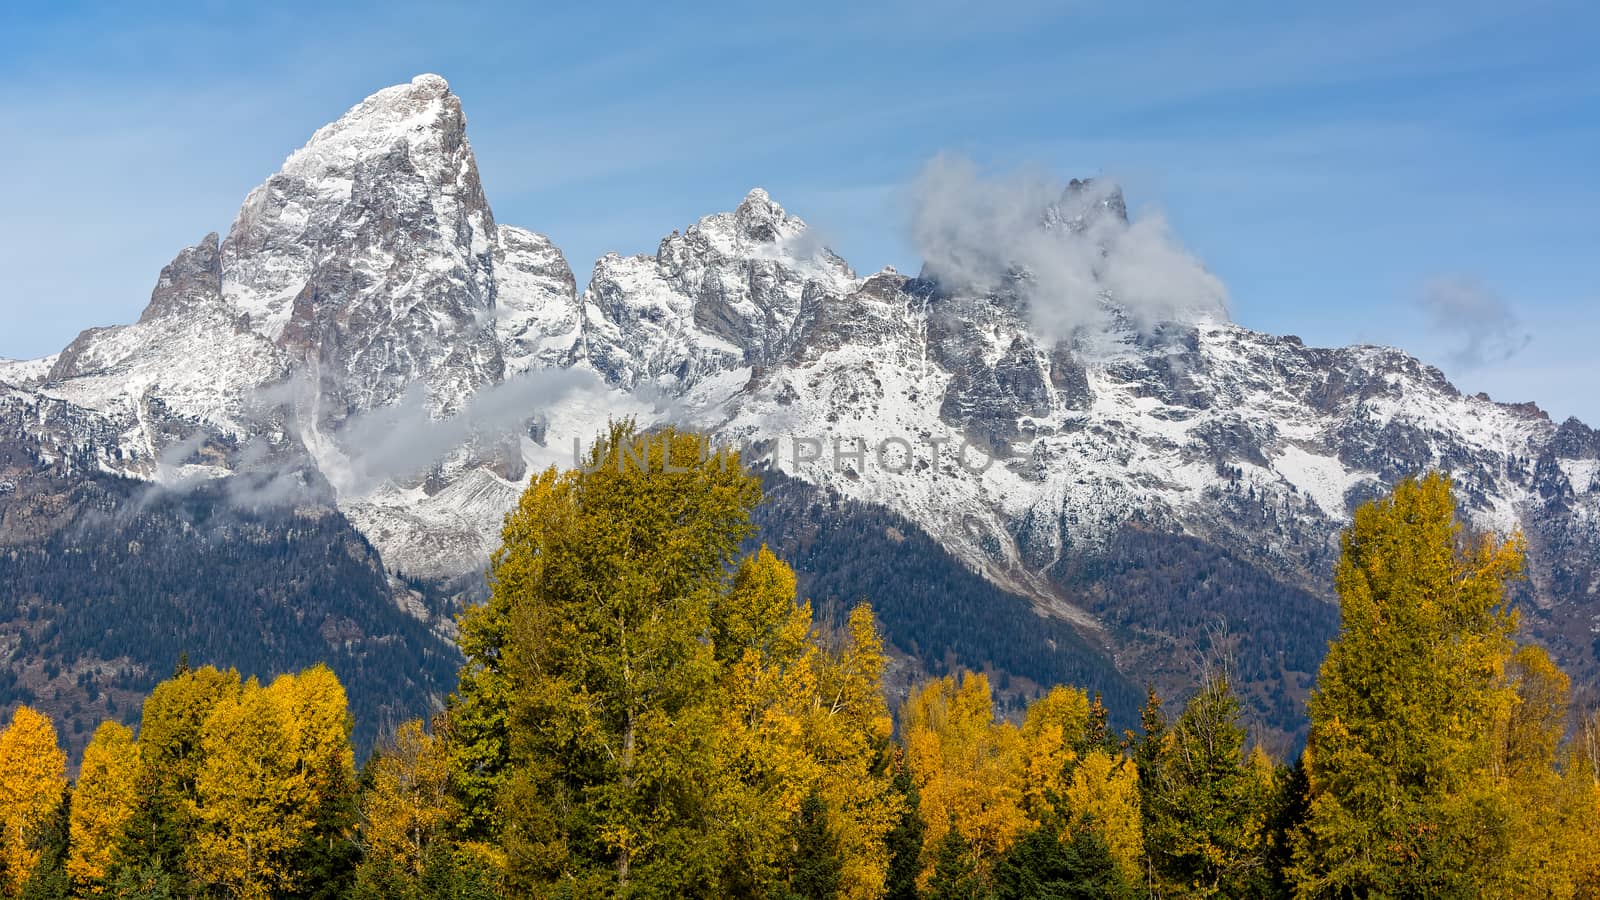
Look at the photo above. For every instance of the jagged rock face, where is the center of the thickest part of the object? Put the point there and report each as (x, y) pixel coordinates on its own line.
(361, 273)
(536, 301)
(1083, 203)
(1254, 443)
(369, 255)
(189, 285)
(181, 379)
(725, 295)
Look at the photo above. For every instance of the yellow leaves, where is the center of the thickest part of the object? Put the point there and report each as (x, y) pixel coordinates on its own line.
(1103, 796)
(408, 803)
(270, 757)
(173, 717)
(1554, 799)
(1262, 768)
(1555, 821)
(852, 730)
(759, 613)
(254, 800)
(1054, 726)
(32, 778)
(967, 767)
(992, 781)
(802, 720)
(104, 800)
(318, 730)
(1537, 718)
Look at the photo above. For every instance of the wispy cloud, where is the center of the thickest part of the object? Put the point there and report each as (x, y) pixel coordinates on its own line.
(1481, 323)
(981, 232)
(403, 440)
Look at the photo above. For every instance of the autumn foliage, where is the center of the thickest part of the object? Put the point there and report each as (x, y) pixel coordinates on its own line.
(646, 710)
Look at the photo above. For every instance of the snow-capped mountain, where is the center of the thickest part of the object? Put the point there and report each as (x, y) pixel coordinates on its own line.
(365, 292)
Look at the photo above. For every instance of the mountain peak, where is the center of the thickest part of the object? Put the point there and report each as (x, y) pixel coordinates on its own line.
(428, 81)
(422, 114)
(759, 217)
(1085, 202)
(370, 251)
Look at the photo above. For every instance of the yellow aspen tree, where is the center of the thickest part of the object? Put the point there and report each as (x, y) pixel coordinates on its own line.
(254, 797)
(318, 722)
(171, 723)
(1552, 790)
(161, 836)
(967, 768)
(1052, 729)
(32, 779)
(1103, 797)
(799, 721)
(851, 743)
(103, 802)
(770, 679)
(408, 804)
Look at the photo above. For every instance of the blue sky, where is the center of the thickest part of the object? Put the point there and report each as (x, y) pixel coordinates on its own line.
(1336, 165)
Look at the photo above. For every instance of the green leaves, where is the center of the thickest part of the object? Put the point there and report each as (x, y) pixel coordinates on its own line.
(641, 714)
(1205, 805)
(1400, 758)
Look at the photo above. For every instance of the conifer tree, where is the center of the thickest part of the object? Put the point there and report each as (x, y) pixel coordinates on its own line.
(148, 859)
(904, 841)
(1205, 804)
(1041, 866)
(459, 873)
(1401, 756)
(816, 863)
(954, 874)
(150, 882)
(48, 880)
(1285, 816)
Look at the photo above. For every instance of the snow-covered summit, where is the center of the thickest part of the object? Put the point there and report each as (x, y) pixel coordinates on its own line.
(423, 114)
(536, 301)
(406, 142)
(368, 257)
(727, 295)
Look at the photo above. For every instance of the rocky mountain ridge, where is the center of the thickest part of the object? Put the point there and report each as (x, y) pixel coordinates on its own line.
(366, 292)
